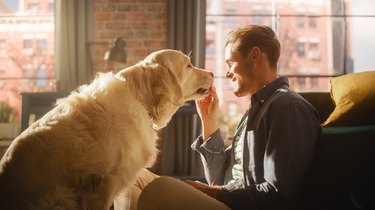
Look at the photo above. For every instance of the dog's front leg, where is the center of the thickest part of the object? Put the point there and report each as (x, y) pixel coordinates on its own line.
(123, 200)
(95, 192)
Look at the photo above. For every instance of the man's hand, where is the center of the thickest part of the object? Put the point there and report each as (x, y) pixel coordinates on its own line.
(208, 110)
(213, 191)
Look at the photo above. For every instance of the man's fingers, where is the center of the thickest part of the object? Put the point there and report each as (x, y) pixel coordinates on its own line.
(195, 183)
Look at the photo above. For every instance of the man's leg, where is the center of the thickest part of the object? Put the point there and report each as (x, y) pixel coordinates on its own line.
(167, 193)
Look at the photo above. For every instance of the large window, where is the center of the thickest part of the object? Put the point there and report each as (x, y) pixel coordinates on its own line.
(320, 39)
(26, 50)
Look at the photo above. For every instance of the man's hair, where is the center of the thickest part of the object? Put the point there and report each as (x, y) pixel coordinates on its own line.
(243, 39)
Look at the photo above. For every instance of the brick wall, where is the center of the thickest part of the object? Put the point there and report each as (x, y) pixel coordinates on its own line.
(141, 23)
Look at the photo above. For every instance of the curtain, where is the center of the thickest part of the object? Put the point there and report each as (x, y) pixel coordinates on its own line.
(186, 33)
(177, 157)
(71, 55)
(186, 28)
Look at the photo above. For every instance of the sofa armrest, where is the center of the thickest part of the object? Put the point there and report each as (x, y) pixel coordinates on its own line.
(344, 168)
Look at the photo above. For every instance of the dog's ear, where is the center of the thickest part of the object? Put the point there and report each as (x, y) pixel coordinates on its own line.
(166, 92)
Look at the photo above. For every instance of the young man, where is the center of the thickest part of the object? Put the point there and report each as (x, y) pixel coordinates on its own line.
(269, 162)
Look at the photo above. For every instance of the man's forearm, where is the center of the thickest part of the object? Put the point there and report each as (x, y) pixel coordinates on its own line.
(208, 129)
(213, 157)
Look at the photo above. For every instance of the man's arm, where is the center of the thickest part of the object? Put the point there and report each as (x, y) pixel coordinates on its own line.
(210, 144)
(213, 157)
(208, 111)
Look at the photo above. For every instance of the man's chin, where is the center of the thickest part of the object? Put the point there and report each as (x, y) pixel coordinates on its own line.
(240, 93)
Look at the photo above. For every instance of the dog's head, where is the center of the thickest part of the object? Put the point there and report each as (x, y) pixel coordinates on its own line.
(170, 80)
(164, 81)
(192, 81)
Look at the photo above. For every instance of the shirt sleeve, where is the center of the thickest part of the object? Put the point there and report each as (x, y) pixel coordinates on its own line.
(213, 156)
(292, 132)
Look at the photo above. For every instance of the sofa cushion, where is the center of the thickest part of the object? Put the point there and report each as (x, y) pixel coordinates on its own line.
(354, 99)
(321, 101)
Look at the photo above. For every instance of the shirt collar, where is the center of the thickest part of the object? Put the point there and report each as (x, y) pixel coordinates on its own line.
(266, 91)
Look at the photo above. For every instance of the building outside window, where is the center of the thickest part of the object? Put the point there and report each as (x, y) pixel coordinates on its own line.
(300, 20)
(232, 108)
(41, 44)
(314, 83)
(301, 82)
(210, 48)
(26, 49)
(2, 47)
(32, 7)
(301, 49)
(313, 52)
(312, 22)
(51, 8)
(324, 38)
(257, 18)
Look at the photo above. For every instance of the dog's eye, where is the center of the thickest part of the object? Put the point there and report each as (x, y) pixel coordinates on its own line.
(189, 66)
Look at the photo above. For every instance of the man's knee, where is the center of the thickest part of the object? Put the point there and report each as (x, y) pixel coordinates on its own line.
(167, 193)
(128, 199)
(157, 193)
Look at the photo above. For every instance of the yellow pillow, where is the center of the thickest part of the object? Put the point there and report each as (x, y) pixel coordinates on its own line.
(354, 98)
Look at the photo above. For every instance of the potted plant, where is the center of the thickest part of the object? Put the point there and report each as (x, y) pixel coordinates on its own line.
(8, 126)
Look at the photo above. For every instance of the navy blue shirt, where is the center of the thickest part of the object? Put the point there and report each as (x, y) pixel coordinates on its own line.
(278, 151)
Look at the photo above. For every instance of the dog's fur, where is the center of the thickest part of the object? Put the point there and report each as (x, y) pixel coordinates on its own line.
(95, 141)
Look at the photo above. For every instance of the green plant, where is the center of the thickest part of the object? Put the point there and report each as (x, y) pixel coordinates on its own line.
(6, 112)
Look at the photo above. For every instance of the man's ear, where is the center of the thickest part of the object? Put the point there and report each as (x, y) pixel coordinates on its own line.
(254, 54)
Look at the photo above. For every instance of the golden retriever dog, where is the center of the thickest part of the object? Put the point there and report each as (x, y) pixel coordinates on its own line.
(92, 145)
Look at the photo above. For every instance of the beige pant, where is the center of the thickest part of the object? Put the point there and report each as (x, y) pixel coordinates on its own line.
(166, 193)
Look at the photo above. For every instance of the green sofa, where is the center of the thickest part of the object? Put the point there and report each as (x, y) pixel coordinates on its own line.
(344, 173)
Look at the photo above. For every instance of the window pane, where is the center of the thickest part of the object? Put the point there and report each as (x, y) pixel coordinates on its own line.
(361, 34)
(319, 40)
(41, 44)
(318, 51)
(32, 7)
(26, 50)
(2, 47)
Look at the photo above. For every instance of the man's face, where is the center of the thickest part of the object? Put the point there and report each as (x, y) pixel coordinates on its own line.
(239, 71)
